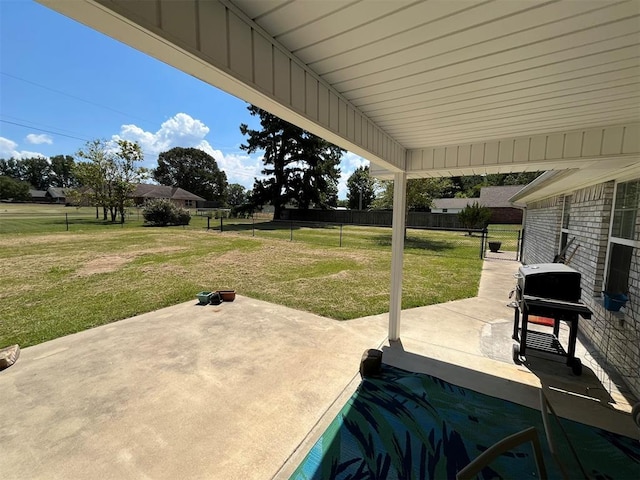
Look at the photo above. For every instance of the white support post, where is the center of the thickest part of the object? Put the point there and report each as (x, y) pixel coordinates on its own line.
(397, 252)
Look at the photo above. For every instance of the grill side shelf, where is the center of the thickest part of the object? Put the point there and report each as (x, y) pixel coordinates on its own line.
(579, 308)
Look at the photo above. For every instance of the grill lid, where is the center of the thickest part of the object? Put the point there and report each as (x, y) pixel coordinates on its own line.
(550, 280)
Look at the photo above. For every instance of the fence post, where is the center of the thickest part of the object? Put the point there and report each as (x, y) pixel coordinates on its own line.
(483, 239)
(291, 231)
(521, 244)
(340, 234)
(253, 225)
(208, 220)
(66, 220)
(221, 227)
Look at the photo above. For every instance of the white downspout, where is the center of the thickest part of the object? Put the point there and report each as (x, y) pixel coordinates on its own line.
(397, 251)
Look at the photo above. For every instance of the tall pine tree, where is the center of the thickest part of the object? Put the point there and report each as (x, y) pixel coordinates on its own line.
(300, 167)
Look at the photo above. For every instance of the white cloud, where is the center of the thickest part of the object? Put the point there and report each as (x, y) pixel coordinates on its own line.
(39, 138)
(9, 149)
(182, 130)
(179, 131)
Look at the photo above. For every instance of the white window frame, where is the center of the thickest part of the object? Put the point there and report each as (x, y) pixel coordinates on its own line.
(567, 199)
(611, 239)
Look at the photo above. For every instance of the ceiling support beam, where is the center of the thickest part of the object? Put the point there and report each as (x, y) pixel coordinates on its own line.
(215, 42)
(397, 252)
(553, 151)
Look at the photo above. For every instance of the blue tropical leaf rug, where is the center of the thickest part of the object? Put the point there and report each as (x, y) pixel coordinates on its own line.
(413, 426)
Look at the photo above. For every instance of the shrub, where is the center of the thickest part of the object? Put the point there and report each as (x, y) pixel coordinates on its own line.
(162, 212)
(475, 216)
(183, 217)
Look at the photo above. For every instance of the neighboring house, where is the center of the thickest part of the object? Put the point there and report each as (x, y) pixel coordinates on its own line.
(177, 195)
(497, 199)
(600, 223)
(451, 205)
(38, 196)
(494, 198)
(57, 195)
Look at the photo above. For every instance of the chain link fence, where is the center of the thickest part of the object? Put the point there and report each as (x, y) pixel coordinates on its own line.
(503, 244)
(455, 242)
(436, 241)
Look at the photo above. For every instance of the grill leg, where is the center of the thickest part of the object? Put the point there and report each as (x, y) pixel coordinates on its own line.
(523, 332)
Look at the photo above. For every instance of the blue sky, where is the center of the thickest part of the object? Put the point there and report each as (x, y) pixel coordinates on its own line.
(62, 83)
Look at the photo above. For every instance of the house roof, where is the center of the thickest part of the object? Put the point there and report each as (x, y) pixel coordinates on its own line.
(492, 197)
(452, 202)
(498, 196)
(57, 192)
(37, 193)
(145, 190)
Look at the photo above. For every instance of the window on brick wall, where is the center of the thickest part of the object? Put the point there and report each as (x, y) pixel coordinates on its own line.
(564, 229)
(624, 239)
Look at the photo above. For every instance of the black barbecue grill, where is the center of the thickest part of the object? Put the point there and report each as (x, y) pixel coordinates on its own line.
(549, 290)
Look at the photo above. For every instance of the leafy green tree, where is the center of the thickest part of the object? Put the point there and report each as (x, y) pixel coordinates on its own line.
(474, 216)
(193, 170)
(62, 171)
(301, 167)
(91, 170)
(360, 189)
(123, 175)
(11, 168)
(12, 189)
(236, 195)
(108, 176)
(36, 172)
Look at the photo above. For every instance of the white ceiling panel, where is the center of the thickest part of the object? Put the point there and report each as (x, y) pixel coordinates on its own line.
(440, 72)
(334, 25)
(358, 37)
(499, 80)
(260, 7)
(296, 15)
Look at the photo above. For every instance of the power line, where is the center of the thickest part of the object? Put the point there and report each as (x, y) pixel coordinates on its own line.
(43, 130)
(42, 125)
(238, 173)
(90, 102)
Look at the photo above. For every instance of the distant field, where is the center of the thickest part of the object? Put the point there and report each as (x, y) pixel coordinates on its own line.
(54, 282)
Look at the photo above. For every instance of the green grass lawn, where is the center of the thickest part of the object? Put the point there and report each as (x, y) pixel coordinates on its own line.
(54, 282)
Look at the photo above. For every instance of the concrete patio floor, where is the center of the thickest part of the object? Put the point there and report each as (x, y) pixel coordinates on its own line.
(243, 389)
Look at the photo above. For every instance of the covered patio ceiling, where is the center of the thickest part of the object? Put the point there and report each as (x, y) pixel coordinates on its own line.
(415, 86)
(419, 88)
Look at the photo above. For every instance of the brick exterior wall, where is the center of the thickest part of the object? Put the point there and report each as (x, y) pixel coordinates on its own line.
(542, 231)
(506, 215)
(615, 336)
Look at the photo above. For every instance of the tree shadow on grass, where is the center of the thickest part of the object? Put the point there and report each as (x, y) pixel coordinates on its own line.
(244, 227)
(417, 243)
(267, 226)
(84, 221)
